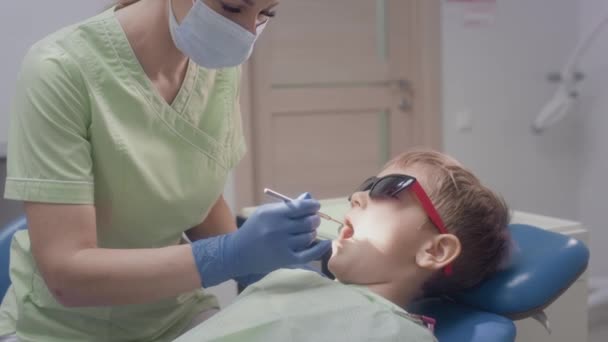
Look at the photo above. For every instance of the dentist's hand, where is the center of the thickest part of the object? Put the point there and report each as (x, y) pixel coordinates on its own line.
(276, 235)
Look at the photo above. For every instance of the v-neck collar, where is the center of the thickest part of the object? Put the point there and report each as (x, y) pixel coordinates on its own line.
(128, 59)
(175, 115)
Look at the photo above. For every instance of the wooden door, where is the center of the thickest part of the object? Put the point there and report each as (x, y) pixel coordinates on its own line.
(335, 88)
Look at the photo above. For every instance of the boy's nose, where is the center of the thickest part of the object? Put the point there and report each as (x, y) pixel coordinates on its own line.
(359, 199)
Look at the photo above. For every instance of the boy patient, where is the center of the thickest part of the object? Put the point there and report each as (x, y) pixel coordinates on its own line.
(397, 245)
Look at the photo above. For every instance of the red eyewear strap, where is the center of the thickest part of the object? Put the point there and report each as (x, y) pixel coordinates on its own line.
(432, 213)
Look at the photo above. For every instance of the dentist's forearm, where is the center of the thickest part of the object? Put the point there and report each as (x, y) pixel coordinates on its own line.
(218, 221)
(105, 277)
(63, 240)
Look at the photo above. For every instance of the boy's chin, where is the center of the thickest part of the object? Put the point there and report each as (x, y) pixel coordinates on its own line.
(342, 270)
(337, 266)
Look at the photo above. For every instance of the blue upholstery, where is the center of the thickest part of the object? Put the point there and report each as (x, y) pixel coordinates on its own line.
(543, 265)
(6, 236)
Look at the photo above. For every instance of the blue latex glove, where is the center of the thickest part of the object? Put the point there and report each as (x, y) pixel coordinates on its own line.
(274, 236)
(249, 279)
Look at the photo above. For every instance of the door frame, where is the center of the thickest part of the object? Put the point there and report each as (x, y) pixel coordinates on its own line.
(425, 36)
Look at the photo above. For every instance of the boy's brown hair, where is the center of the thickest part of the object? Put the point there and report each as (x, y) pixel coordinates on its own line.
(472, 212)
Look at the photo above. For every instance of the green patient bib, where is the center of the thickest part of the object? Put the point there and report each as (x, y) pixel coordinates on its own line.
(302, 306)
(88, 127)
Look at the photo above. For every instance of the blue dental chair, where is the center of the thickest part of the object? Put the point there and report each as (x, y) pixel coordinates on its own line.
(543, 265)
(6, 237)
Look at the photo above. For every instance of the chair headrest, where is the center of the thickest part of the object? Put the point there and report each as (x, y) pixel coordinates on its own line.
(542, 266)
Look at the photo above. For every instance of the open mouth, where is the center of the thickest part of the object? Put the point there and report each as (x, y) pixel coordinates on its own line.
(347, 231)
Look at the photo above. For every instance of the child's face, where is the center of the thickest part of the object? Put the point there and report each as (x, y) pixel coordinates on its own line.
(381, 237)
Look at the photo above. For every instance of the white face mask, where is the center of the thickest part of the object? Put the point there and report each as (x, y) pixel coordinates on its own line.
(210, 39)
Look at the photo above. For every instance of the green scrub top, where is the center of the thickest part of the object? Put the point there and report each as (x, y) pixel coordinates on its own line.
(302, 306)
(88, 127)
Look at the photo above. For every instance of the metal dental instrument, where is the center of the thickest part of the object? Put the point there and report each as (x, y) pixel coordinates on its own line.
(275, 194)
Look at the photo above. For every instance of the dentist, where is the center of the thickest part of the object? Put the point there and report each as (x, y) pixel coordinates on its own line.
(123, 131)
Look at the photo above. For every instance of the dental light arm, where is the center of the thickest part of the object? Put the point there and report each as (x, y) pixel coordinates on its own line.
(556, 109)
(569, 78)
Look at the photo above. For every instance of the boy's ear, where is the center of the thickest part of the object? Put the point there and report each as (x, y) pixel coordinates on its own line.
(438, 252)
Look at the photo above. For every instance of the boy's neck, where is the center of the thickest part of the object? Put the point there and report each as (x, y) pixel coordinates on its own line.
(400, 294)
(402, 289)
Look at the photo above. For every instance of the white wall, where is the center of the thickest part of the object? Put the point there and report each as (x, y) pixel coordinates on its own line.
(594, 113)
(498, 73)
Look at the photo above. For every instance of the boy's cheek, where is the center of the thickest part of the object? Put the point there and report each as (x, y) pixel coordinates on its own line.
(374, 227)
